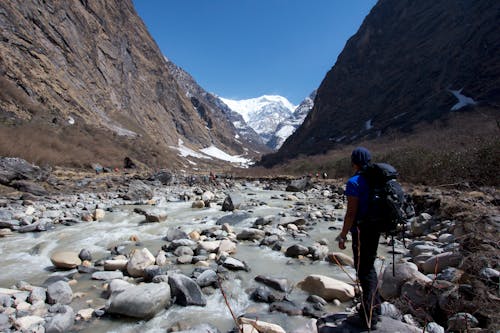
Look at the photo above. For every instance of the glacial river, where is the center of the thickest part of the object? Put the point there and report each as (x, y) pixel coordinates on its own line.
(27, 257)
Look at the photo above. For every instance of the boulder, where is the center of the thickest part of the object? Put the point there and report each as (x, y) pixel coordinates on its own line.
(142, 301)
(299, 185)
(280, 284)
(296, 250)
(115, 264)
(250, 325)
(198, 204)
(441, 261)
(164, 176)
(59, 292)
(327, 288)
(405, 271)
(139, 260)
(155, 215)
(234, 264)
(251, 234)
(107, 275)
(207, 278)
(29, 324)
(234, 218)
(29, 187)
(185, 290)
(174, 233)
(138, 191)
(12, 168)
(62, 320)
(65, 259)
(340, 258)
(99, 214)
(233, 201)
(227, 246)
(209, 246)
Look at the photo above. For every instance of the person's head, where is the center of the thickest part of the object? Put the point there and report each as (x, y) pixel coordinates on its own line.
(360, 157)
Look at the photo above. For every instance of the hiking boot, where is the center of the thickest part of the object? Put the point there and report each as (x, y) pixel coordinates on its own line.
(359, 321)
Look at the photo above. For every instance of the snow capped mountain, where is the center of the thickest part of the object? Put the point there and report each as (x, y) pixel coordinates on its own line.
(263, 113)
(289, 125)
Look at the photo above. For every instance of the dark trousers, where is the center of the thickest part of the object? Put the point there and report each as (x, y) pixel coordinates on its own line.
(364, 247)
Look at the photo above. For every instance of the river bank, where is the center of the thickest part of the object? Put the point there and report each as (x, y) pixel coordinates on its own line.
(111, 238)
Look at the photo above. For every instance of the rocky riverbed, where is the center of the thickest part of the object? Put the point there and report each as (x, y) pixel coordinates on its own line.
(165, 253)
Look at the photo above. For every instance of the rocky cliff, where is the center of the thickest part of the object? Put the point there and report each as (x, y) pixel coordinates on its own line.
(211, 107)
(410, 62)
(84, 81)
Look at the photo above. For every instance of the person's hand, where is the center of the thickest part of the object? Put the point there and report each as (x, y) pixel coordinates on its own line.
(341, 239)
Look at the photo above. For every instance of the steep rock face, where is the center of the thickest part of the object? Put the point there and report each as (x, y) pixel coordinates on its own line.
(213, 109)
(88, 71)
(406, 64)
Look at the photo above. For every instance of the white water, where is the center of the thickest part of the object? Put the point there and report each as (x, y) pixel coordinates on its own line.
(20, 261)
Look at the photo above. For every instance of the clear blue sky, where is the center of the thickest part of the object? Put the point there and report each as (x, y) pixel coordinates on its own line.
(241, 49)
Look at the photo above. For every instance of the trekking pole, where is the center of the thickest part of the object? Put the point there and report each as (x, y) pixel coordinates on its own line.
(393, 257)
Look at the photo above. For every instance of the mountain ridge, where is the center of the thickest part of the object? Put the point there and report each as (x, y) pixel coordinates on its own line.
(88, 80)
(399, 70)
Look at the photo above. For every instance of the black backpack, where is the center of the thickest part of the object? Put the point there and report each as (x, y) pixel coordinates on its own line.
(388, 206)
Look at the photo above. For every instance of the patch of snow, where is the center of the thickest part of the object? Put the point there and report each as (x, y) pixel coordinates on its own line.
(236, 136)
(285, 131)
(221, 155)
(368, 125)
(462, 100)
(248, 106)
(191, 162)
(71, 120)
(185, 151)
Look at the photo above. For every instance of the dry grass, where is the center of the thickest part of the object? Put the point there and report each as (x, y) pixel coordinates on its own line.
(462, 148)
(76, 147)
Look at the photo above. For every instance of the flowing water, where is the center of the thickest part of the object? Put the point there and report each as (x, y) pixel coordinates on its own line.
(26, 257)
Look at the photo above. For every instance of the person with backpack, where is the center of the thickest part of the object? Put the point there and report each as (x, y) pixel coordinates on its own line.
(365, 239)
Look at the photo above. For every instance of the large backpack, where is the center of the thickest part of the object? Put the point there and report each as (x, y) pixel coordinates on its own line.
(389, 208)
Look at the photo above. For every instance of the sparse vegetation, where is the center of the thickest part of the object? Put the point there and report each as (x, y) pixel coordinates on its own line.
(462, 149)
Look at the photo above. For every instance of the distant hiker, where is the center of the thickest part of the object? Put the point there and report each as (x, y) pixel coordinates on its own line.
(325, 175)
(365, 238)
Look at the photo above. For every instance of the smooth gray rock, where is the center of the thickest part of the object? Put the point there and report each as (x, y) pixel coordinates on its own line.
(207, 278)
(186, 291)
(233, 201)
(107, 275)
(174, 233)
(391, 285)
(234, 218)
(434, 328)
(141, 301)
(251, 234)
(62, 321)
(296, 250)
(59, 292)
(298, 185)
(138, 191)
(280, 284)
(234, 264)
(4, 322)
(37, 294)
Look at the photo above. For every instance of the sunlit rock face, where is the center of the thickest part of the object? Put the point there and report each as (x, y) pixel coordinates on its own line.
(88, 74)
(410, 62)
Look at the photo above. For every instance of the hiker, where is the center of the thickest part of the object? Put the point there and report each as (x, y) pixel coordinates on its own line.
(365, 238)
